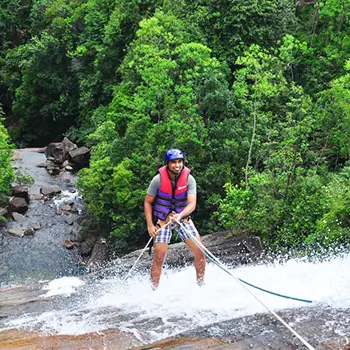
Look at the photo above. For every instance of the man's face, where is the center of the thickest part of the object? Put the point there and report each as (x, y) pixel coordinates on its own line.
(176, 165)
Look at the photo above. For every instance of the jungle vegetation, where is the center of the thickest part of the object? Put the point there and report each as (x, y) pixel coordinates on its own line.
(256, 94)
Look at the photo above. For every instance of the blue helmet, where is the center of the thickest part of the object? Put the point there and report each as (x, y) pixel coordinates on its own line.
(172, 154)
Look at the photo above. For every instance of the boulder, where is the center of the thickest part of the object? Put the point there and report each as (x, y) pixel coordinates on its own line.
(99, 254)
(65, 155)
(87, 246)
(229, 249)
(50, 191)
(67, 146)
(18, 217)
(80, 157)
(18, 205)
(16, 232)
(55, 152)
(21, 191)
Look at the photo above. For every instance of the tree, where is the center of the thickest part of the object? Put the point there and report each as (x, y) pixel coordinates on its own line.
(6, 170)
(332, 113)
(155, 107)
(44, 89)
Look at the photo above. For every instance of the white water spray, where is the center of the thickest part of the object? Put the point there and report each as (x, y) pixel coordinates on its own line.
(180, 305)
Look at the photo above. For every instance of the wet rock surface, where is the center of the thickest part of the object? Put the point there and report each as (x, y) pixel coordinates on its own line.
(323, 327)
(229, 249)
(316, 325)
(109, 339)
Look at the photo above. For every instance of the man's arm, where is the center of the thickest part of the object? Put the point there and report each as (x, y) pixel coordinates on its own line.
(190, 207)
(148, 209)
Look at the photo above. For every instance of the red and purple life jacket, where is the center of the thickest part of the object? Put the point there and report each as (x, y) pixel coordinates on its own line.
(171, 198)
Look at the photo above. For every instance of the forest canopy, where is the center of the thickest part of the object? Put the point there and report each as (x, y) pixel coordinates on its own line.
(255, 93)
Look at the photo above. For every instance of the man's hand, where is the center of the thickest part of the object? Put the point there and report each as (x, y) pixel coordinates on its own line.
(176, 217)
(152, 230)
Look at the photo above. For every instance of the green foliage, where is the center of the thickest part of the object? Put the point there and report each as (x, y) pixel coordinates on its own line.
(44, 88)
(13, 22)
(6, 171)
(332, 112)
(255, 93)
(326, 30)
(333, 228)
(230, 26)
(155, 108)
(23, 178)
(262, 209)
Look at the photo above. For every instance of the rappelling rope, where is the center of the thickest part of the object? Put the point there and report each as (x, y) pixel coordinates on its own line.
(211, 257)
(218, 263)
(143, 250)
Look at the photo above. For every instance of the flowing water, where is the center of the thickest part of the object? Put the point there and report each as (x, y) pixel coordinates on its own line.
(41, 256)
(82, 305)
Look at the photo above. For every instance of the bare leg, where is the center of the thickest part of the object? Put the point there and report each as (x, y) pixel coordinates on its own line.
(199, 259)
(160, 250)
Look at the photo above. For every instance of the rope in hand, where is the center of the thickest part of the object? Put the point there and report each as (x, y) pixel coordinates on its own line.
(143, 250)
(212, 258)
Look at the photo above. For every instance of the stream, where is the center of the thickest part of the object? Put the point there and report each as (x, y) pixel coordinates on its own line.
(42, 256)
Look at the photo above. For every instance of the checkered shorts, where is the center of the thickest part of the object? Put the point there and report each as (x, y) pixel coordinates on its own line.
(166, 232)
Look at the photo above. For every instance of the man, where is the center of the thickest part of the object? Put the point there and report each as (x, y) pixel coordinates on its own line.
(172, 195)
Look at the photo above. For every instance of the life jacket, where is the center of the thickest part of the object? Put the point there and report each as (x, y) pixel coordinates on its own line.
(171, 198)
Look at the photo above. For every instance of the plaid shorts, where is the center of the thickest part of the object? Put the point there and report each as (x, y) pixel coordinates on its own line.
(165, 233)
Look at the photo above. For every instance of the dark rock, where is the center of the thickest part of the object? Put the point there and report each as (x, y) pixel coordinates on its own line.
(53, 171)
(87, 246)
(68, 145)
(21, 191)
(29, 231)
(18, 204)
(56, 152)
(80, 156)
(99, 254)
(227, 248)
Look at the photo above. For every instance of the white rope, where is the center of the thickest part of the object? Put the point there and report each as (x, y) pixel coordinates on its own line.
(143, 250)
(206, 251)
